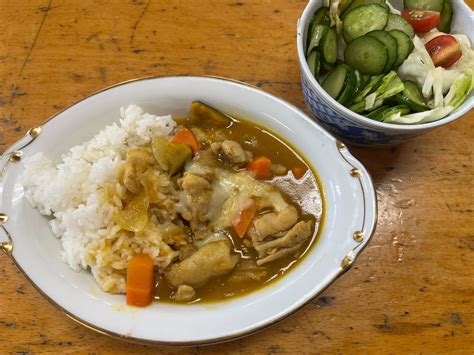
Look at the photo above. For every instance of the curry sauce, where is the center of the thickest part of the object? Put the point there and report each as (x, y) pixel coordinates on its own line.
(304, 193)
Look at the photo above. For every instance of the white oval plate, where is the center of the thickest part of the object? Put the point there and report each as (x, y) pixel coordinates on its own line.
(350, 209)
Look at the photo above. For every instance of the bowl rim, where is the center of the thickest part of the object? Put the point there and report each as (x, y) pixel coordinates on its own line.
(301, 27)
(346, 263)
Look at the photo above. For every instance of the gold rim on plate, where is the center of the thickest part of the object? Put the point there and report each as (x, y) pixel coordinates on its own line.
(345, 265)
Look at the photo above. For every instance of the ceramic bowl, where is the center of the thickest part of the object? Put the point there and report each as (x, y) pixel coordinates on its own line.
(352, 127)
(350, 215)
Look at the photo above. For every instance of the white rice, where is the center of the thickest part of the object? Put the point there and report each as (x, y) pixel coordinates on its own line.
(74, 194)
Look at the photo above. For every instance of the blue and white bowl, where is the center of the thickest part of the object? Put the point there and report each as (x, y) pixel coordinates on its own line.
(357, 129)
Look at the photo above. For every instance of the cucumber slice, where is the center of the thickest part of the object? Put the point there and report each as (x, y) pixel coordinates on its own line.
(376, 113)
(356, 3)
(311, 60)
(363, 81)
(392, 101)
(320, 17)
(411, 96)
(317, 65)
(364, 19)
(343, 5)
(446, 17)
(309, 34)
(348, 93)
(397, 22)
(402, 99)
(318, 34)
(391, 45)
(334, 82)
(329, 46)
(314, 63)
(360, 82)
(381, 115)
(413, 92)
(326, 65)
(405, 46)
(402, 109)
(433, 5)
(367, 54)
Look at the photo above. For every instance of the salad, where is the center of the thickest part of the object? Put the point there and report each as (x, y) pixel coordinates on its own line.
(391, 66)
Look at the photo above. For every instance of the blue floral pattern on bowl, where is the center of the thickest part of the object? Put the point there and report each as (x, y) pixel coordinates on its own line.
(347, 130)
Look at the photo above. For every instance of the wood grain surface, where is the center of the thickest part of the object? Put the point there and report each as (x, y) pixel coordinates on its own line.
(411, 290)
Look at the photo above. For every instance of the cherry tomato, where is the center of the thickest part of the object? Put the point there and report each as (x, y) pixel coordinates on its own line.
(421, 21)
(444, 50)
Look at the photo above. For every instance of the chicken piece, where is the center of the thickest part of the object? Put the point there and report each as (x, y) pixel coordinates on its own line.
(285, 245)
(203, 165)
(272, 223)
(234, 152)
(194, 184)
(209, 136)
(186, 251)
(137, 162)
(277, 254)
(216, 147)
(195, 198)
(247, 270)
(213, 259)
(165, 211)
(184, 293)
(173, 234)
(231, 151)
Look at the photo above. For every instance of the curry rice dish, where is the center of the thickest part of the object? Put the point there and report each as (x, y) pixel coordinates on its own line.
(194, 209)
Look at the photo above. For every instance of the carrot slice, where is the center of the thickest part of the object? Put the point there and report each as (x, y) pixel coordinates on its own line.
(242, 224)
(186, 136)
(299, 171)
(140, 281)
(261, 167)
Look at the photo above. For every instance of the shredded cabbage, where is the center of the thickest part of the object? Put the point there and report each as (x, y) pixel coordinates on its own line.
(334, 15)
(460, 89)
(434, 81)
(458, 93)
(437, 87)
(390, 86)
(392, 9)
(420, 117)
(370, 100)
(427, 85)
(418, 65)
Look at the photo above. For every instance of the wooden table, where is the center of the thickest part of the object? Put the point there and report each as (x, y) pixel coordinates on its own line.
(411, 290)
